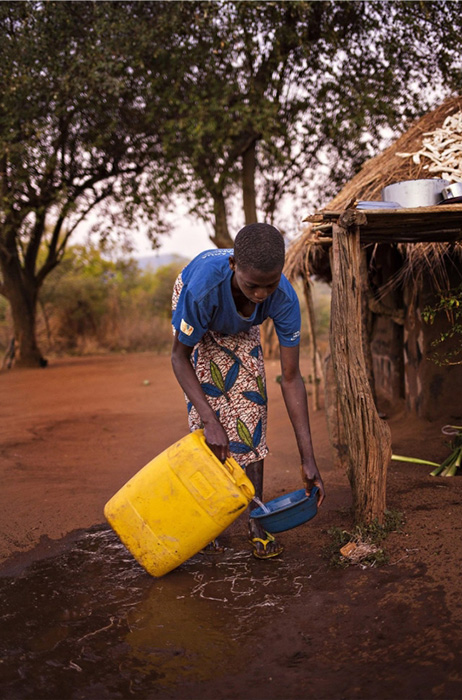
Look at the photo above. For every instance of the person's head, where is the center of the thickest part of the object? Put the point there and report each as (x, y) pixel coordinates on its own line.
(257, 261)
(260, 247)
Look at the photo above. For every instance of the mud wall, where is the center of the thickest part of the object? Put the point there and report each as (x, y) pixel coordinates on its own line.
(387, 361)
(386, 328)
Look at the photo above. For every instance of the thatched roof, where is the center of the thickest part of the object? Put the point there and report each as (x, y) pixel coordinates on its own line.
(422, 152)
(390, 166)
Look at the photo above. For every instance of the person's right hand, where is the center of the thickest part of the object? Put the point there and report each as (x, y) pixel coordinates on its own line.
(311, 477)
(216, 439)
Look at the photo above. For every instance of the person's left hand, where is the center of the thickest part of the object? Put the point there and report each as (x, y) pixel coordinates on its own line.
(311, 477)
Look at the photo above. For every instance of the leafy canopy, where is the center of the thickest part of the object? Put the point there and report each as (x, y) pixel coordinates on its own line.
(310, 87)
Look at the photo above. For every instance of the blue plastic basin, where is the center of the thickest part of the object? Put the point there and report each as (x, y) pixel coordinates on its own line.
(288, 511)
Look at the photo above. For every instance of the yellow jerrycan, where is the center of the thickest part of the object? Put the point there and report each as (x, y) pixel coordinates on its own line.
(178, 503)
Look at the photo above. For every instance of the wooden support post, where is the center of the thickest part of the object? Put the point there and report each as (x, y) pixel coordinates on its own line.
(366, 435)
(313, 343)
(366, 324)
(334, 417)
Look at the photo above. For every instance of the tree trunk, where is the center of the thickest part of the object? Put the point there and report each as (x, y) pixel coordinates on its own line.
(249, 163)
(367, 436)
(221, 238)
(22, 296)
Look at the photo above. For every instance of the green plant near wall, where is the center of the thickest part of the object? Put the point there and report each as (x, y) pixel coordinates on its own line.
(448, 303)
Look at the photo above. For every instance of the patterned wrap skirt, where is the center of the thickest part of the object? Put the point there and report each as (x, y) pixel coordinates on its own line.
(231, 372)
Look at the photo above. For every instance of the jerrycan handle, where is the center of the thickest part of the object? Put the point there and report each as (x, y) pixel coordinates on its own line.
(226, 465)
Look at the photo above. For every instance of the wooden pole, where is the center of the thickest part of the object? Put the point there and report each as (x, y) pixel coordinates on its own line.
(366, 323)
(367, 436)
(334, 417)
(315, 377)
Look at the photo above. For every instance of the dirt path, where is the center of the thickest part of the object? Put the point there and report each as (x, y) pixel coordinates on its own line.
(73, 433)
(76, 431)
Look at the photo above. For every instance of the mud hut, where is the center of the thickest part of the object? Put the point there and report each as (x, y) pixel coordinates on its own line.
(386, 268)
(404, 277)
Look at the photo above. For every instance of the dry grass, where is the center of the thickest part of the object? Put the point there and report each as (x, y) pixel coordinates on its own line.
(309, 255)
(126, 333)
(388, 167)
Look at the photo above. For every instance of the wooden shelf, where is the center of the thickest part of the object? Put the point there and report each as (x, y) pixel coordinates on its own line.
(419, 225)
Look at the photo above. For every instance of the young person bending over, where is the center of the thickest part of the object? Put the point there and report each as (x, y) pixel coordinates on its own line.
(219, 301)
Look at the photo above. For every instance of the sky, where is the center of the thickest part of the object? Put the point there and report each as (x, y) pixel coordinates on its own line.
(187, 238)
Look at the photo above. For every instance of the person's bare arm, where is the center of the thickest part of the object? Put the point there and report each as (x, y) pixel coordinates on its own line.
(215, 435)
(294, 393)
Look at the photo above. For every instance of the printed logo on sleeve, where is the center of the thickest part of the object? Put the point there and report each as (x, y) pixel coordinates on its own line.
(295, 335)
(185, 327)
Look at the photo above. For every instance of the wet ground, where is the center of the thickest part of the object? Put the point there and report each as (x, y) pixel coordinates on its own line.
(91, 623)
(85, 622)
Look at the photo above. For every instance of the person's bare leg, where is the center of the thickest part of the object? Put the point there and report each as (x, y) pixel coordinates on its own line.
(255, 473)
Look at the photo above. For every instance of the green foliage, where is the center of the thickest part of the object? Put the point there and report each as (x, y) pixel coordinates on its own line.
(121, 106)
(305, 88)
(448, 305)
(92, 304)
(76, 133)
(164, 279)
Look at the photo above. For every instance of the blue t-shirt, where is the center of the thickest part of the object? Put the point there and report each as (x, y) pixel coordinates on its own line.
(206, 303)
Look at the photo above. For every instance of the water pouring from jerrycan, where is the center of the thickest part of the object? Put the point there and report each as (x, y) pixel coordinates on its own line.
(185, 498)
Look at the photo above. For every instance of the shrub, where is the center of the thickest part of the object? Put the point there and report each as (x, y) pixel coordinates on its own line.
(90, 304)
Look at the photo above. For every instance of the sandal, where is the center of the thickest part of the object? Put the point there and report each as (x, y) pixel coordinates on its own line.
(258, 553)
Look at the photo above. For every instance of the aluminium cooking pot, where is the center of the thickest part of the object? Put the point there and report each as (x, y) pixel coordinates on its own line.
(454, 190)
(415, 193)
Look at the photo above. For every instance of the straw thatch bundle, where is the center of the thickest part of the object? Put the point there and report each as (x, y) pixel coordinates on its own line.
(307, 257)
(303, 256)
(432, 147)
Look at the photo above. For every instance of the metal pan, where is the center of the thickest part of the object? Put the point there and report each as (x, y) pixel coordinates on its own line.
(415, 193)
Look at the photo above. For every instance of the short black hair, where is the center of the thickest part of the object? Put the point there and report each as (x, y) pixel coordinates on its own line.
(259, 246)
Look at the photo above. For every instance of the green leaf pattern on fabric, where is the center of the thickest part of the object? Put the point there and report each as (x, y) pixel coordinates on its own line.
(231, 373)
(244, 433)
(261, 387)
(217, 376)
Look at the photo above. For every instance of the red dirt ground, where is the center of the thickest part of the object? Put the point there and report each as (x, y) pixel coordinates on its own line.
(75, 432)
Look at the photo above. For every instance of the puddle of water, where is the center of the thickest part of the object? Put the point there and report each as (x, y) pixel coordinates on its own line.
(91, 623)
